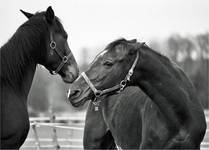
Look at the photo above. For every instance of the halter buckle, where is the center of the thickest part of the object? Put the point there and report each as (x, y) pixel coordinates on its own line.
(130, 73)
(52, 45)
(122, 85)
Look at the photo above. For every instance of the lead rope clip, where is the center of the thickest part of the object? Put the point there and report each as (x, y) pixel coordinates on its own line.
(96, 104)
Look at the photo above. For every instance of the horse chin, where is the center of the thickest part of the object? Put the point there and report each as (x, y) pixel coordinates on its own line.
(79, 103)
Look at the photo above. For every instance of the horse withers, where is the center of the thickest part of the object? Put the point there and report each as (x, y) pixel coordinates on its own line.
(40, 40)
(173, 116)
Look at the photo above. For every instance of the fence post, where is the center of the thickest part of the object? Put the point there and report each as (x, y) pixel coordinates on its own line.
(55, 139)
(37, 143)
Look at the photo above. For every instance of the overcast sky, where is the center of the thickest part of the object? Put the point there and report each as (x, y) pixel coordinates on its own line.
(91, 23)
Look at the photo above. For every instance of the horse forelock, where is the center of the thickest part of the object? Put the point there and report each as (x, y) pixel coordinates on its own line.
(122, 43)
(115, 43)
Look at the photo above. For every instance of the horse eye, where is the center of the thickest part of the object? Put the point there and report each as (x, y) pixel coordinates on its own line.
(108, 63)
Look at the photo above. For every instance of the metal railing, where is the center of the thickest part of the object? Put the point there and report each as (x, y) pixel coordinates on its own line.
(55, 142)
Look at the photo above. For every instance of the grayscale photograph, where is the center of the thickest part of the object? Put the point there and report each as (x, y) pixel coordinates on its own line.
(104, 74)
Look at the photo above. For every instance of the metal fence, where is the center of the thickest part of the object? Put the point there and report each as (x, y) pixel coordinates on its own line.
(44, 133)
(66, 133)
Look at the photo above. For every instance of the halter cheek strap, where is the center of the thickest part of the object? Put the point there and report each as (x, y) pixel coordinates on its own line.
(63, 57)
(96, 92)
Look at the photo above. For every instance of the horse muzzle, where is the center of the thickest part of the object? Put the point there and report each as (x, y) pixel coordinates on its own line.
(74, 96)
(70, 74)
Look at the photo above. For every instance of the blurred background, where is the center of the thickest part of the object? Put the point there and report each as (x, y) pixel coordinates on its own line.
(178, 29)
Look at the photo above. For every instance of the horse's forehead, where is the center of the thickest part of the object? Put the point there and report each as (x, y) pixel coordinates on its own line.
(121, 52)
(107, 54)
(99, 56)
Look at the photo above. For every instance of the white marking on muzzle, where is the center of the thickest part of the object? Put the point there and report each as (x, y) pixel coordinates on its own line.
(68, 93)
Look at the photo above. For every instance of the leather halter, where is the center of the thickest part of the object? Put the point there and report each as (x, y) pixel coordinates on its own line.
(64, 58)
(117, 88)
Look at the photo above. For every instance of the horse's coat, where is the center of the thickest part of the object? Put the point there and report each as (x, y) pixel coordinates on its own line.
(172, 116)
(29, 46)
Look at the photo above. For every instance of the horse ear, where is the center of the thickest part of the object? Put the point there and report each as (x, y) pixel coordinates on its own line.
(28, 15)
(136, 47)
(50, 15)
(133, 40)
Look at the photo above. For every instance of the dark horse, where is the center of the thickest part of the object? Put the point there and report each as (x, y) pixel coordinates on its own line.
(40, 40)
(165, 114)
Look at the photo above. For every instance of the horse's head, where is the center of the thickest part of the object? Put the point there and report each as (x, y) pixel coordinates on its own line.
(108, 69)
(55, 53)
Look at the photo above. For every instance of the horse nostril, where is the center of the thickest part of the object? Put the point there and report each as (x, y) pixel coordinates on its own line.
(74, 93)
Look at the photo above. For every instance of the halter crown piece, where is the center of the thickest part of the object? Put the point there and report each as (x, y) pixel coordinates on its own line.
(61, 55)
(117, 88)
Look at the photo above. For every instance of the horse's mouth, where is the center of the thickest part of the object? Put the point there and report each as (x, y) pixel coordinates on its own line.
(79, 98)
(79, 103)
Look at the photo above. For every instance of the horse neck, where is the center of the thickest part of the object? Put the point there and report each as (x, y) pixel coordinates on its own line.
(19, 60)
(164, 88)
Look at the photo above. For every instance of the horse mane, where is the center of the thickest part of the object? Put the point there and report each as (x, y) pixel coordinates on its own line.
(17, 52)
(119, 41)
(125, 43)
(172, 67)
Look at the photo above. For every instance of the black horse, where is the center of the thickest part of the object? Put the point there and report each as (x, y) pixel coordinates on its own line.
(40, 40)
(172, 116)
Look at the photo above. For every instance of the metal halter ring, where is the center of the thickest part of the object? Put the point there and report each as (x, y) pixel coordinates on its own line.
(98, 93)
(123, 83)
(53, 44)
(64, 59)
(96, 103)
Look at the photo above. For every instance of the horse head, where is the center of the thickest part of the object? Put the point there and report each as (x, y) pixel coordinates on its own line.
(55, 53)
(110, 71)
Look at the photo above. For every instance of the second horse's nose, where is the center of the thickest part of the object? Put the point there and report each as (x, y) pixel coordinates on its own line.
(74, 93)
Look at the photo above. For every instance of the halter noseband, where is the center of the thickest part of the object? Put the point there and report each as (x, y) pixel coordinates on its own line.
(117, 88)
(61, 55)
